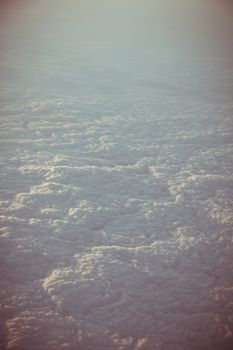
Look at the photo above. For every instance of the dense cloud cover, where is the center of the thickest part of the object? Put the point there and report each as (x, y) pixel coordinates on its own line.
(116, 178)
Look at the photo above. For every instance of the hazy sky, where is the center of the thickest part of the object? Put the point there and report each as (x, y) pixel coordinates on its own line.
(122, 38)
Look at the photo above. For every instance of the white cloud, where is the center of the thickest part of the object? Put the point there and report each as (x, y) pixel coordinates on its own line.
(116, 183)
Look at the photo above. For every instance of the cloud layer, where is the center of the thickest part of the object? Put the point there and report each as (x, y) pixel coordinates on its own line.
(116, 190)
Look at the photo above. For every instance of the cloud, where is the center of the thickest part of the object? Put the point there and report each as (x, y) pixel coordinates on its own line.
(116, 187)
